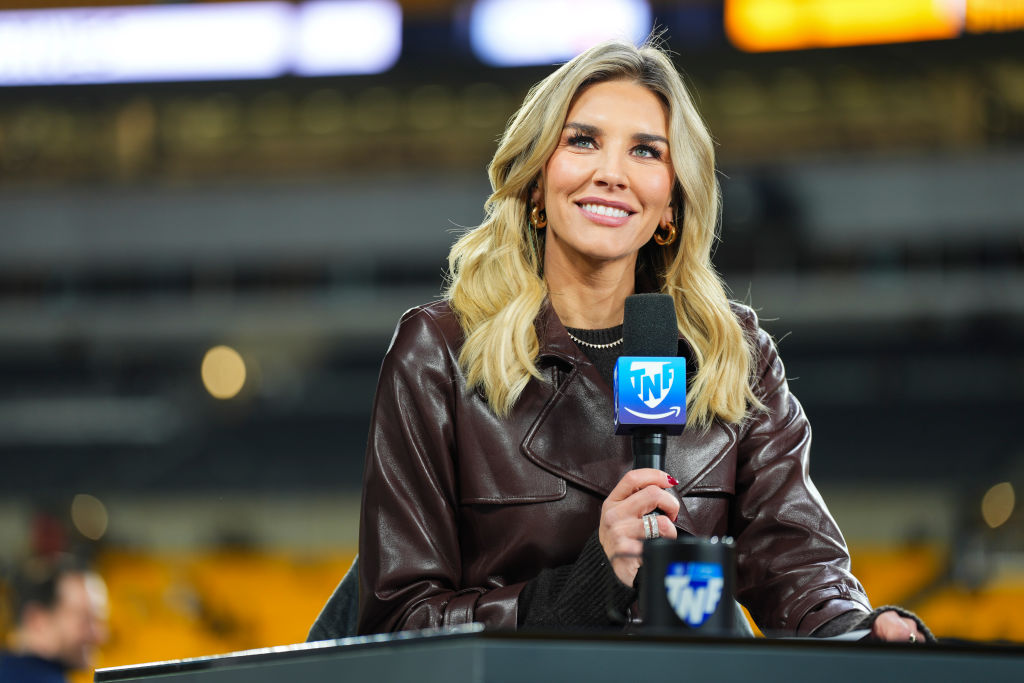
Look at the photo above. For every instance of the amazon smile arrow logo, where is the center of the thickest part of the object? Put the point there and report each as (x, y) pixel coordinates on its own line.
(674, 412)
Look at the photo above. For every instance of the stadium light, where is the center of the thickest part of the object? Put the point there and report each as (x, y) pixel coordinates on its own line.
(242, 40)
(767, 25)
(528, 32)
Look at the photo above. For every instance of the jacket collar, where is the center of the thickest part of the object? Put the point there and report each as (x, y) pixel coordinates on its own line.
(554, 339)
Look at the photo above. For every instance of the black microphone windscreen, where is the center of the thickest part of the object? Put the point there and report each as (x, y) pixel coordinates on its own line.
(649, 326)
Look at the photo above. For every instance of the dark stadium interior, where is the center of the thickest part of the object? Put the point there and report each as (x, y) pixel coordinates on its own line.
(873, 215)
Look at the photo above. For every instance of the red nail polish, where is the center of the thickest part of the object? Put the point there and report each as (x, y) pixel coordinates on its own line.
(672, 481)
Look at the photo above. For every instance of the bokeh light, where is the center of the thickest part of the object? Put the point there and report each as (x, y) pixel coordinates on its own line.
(761, 25)
(223, 372)
(89, 515)
(997, 504)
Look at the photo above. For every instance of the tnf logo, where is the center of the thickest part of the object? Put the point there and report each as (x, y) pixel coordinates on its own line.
(694, 590)
(651, 380)
(650, 392)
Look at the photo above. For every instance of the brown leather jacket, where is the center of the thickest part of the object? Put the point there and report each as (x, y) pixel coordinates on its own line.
(461, 508)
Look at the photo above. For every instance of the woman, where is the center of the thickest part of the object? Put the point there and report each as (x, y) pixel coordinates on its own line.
(494, 489)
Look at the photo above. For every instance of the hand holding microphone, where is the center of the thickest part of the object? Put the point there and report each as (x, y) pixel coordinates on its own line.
(622, 532)
(650, 402)
(686, 583)
(650, 385)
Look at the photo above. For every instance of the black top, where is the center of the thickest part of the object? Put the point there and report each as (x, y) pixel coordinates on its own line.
(603, 359)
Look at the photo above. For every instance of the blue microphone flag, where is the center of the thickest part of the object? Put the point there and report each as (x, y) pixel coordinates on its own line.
(650, 391)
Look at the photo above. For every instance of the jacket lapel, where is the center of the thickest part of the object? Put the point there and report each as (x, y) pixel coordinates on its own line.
(571, 435)
(699, 460)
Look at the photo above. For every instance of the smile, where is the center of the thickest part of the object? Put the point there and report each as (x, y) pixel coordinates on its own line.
(602, 210)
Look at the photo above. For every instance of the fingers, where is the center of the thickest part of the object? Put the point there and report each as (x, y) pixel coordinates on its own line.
(653, 525)
(666, 529)
(635, 480)
(621, 531)
(642, 491)
(623, 543)
(650, 499)
(647, 499)
(632, 528)
(892, 627)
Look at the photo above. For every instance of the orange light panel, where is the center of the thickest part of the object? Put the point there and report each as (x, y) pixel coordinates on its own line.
(774, 25)
(984, 16)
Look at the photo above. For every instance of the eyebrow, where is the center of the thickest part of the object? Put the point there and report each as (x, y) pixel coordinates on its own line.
(594, 131)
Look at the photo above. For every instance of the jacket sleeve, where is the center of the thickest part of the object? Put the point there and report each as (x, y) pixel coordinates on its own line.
(793, 567)
(409, 554)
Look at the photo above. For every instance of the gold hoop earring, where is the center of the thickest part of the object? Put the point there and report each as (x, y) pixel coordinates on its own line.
(538, 218)
(669, 238)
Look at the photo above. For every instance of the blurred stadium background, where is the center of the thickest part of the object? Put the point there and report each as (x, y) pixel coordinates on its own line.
(198, 279)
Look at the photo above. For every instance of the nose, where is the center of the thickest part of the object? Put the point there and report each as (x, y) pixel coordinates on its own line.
(610, 172)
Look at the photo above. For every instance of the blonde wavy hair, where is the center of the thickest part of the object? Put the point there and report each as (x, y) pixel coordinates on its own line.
(496, 284)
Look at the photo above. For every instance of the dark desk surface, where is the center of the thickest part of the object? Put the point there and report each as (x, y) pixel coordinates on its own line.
(469, 654)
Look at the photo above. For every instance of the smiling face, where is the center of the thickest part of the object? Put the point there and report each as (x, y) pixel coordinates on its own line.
(608, 184)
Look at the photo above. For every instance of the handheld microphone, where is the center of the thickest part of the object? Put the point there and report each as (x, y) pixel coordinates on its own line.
(650, 378)
(686, 583)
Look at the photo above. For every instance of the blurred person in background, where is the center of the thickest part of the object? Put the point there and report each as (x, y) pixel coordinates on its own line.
(494, 489)
(59, 609)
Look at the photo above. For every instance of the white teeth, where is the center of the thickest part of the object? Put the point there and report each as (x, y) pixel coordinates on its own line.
(603, 210)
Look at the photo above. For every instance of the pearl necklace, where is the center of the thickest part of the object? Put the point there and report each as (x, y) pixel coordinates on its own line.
(592, 345)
